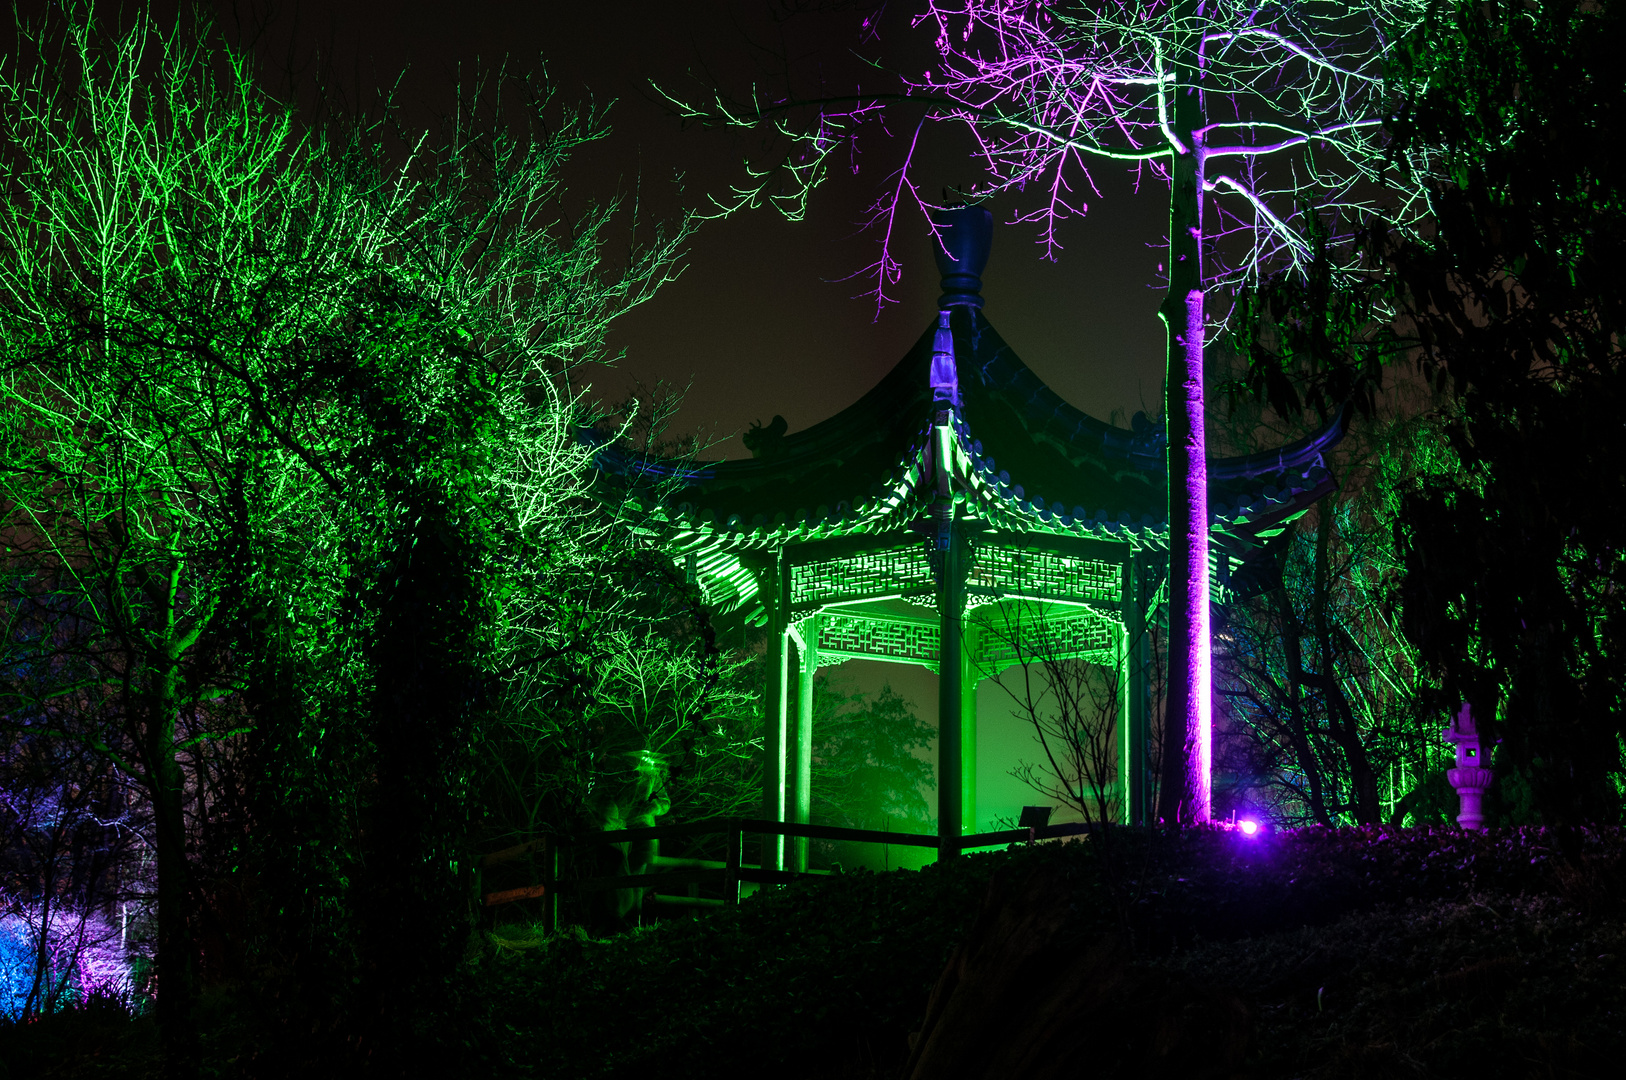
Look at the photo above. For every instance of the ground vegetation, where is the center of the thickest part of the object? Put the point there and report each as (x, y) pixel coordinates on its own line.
(1347, 952)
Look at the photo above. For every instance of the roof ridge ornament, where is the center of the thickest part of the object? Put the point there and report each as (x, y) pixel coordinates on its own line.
(945, 378)
(1148, 436)
(963, 236)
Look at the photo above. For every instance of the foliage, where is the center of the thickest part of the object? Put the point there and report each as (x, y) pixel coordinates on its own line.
(832, 975)
(1514, 563)
(1455, 988)
(866, 772)
(1510, 305)
(1351, 946)
(1327, 699)
(795, 979)
(647, 718)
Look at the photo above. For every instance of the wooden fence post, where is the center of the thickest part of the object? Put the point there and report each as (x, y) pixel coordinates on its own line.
(731, 863)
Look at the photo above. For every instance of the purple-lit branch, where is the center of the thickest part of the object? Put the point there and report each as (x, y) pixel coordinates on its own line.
(1046, 90)
(1034, 80)
(887, 269)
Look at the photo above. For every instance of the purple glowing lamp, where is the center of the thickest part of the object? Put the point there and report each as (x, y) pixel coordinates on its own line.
(1249, 827)
(1472, 776)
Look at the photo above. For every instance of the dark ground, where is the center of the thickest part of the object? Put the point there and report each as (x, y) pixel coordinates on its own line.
(1348, 953)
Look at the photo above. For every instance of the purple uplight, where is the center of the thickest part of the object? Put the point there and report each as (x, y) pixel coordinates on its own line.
(1248, 827)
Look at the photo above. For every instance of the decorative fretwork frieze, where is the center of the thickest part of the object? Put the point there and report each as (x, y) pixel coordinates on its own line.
(1044, 575)
(848, 637)
(859, 577)
(1005, 638)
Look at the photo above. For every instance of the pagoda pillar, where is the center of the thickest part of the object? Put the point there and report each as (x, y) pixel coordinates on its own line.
(774, 773)
(807, 656)
(970, 678)
(950, 684)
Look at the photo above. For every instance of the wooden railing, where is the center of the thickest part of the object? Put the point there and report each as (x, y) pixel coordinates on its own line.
(730, 871)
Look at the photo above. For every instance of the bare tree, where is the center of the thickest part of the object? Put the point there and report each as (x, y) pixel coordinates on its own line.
(1325, 696)
(1072, 696)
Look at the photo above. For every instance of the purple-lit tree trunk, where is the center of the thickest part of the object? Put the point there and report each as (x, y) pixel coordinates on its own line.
(1187, 736)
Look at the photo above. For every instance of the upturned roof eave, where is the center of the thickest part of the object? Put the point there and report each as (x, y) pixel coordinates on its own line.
(878, 443)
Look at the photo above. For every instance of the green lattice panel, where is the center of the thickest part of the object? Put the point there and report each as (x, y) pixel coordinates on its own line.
(875, 639)
(855, 577)
(1004, 642)
(1045, 575)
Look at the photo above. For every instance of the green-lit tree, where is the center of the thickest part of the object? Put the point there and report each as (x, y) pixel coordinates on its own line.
(141, 220)
(866, 774)
(291, 446)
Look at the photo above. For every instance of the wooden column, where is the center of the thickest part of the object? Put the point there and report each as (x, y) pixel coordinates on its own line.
(773, 709)
(970, 678)
(1134, 730)
(807, 656)
(950, 685)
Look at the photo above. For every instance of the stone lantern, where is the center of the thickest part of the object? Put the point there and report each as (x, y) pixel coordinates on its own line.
(1473, 774)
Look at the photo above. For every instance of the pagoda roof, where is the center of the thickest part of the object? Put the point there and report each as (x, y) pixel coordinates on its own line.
(1033, 463)
(1022, 460)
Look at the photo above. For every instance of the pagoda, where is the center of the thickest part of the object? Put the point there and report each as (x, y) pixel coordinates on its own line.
(961, 516)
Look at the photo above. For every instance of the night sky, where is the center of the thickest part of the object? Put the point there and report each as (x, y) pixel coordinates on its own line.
(760, 320)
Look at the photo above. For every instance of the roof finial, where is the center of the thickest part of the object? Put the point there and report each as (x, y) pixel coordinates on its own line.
(945, 380)
(964, 235)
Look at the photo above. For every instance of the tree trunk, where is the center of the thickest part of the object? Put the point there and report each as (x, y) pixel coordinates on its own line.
(177, 976)
(166, 784)
(414, 928)
(42, 945)
(1297, 735)
(1187, 740)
